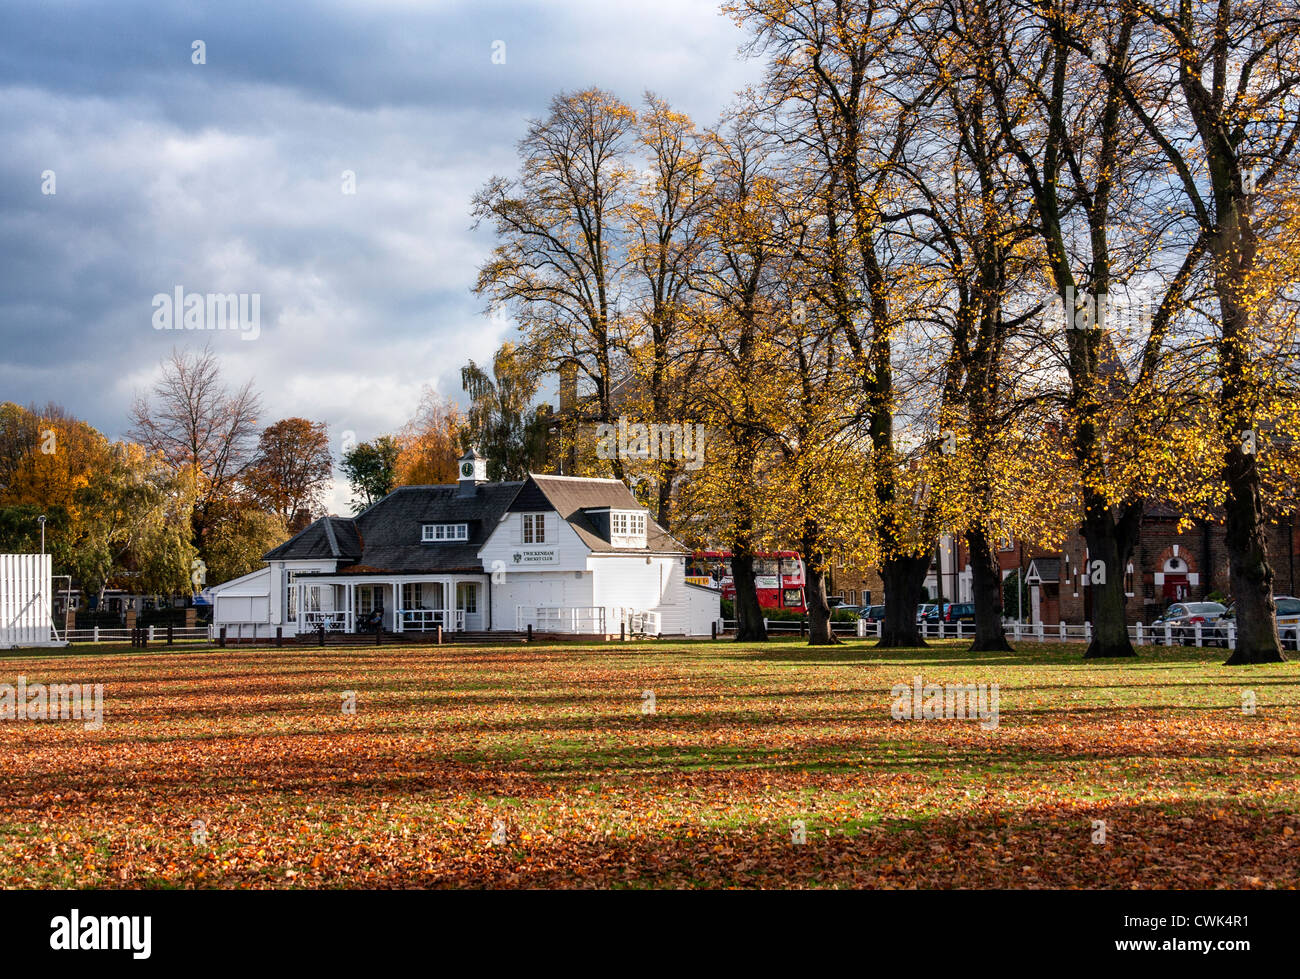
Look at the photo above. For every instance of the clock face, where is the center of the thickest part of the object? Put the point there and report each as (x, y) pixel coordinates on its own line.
(467, 469)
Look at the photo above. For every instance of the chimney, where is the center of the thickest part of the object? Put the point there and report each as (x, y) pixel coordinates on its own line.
(568, 386)
(473, 470)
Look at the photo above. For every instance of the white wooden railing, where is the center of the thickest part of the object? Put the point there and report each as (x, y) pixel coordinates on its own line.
(333, 621)
(154, 633)
(428, 619)
(1142, 635)
(639, 623)
(577, 620)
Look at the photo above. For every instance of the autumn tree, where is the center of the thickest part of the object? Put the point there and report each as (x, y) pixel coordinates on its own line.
(292, 470)
(371, 470)
(559, 261)
(1100, 205)
(503, 423)
(1216, 85)
(430, 443)
(201, 426)
(135, 525)
(663, 223)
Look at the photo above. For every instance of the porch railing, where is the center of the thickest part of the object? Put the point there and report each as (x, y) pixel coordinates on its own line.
(333, 621)
(428, 619)
(576, 620)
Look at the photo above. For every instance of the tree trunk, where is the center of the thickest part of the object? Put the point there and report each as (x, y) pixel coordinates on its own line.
(1111, 544)
(749, 614)
(819, 610)
(986, 582)
(815, 576)
(904, 577)
(664, 495)
(1249, 575)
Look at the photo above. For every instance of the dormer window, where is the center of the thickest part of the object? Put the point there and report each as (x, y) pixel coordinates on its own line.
(627, 528)
(627, 524)
(439, 532)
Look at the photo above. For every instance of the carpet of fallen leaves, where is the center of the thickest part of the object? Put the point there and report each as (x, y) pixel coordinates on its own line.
(240, 768)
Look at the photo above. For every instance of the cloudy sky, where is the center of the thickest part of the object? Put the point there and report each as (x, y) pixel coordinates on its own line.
(227, 176)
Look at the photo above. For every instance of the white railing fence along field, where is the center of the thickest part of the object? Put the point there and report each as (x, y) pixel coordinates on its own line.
(154, 633)
(1221, 635)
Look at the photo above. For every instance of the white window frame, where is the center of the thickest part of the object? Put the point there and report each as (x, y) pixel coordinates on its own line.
(438, 533)
(627, 524)
(534, 528)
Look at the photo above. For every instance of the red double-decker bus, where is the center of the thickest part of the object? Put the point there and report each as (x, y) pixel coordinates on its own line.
(778, 576)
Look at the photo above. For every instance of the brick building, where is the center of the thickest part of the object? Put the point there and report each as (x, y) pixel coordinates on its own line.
(1167, 565)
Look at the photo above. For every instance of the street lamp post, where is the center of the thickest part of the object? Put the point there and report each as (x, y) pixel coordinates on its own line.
(41, 520)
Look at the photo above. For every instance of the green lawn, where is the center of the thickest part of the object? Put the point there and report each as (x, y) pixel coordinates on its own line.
(549, 746)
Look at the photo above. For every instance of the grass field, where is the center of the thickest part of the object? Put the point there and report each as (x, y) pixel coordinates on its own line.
(240, 768)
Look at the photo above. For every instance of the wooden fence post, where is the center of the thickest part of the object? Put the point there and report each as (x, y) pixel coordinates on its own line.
(221, 638)
(320, 633)
(279, 635)
(171, 634)
(530, 632)
(439, 635)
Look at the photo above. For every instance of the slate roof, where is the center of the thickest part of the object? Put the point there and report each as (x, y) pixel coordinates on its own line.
(328, 538)
(386, 536)
(390, 530)
(1048, 569)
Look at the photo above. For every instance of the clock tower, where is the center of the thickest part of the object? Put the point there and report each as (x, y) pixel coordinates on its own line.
(472, 471)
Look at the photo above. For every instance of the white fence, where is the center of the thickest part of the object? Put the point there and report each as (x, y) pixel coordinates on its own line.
(797, 627)
(587, 621)
(1142, 635)
(152, 633)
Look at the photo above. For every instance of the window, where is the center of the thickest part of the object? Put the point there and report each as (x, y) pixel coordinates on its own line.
(623, 523)
(534, 528)
(444, 532)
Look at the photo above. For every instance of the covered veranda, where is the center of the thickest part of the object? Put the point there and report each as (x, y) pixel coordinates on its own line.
(400, 603)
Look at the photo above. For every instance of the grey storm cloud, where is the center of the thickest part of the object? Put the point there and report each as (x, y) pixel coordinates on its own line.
(227, 177)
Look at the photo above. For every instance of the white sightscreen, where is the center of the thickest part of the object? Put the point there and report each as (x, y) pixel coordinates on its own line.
(25, 588)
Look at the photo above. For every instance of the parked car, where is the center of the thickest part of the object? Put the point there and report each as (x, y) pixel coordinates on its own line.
(952, 612)
(1182, 619)
(1288, 624)
(922, 611)
(872, 613)
(1288, 620)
